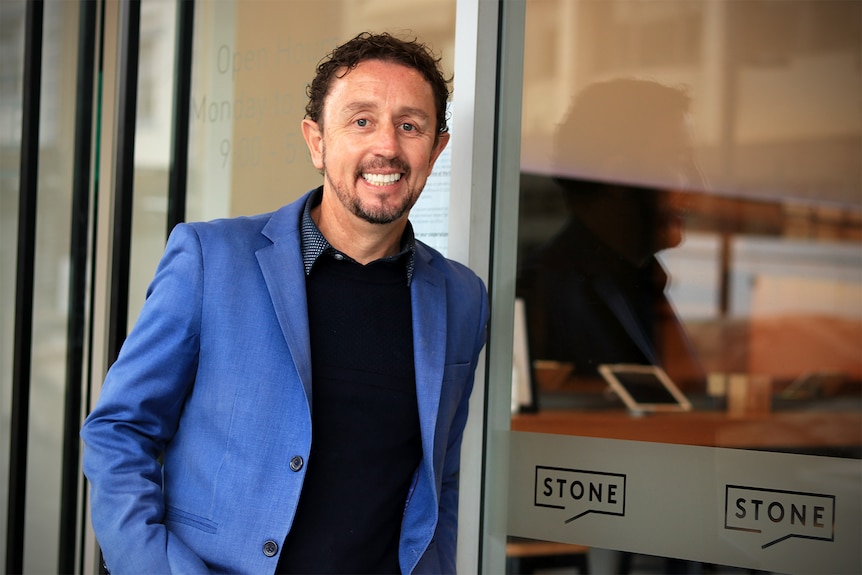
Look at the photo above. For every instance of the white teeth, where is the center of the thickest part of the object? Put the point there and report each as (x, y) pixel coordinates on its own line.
(381, 179)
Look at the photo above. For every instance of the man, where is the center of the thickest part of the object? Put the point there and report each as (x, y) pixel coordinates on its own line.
(595, 292)
(302, 376)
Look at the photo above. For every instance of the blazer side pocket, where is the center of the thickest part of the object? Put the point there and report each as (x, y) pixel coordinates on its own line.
(174, 515)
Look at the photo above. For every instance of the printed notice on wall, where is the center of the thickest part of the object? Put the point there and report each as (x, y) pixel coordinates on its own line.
(430, 215)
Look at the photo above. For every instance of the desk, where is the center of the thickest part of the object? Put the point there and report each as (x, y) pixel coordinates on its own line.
(776, 430)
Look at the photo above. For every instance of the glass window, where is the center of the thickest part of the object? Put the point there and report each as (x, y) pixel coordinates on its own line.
(250, 71)
(251, 64)
(152, 146)
(51, 276)
(11, 74)
(691, 199)
(705, 197)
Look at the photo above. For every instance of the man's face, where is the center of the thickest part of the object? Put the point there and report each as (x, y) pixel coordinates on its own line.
(376, 145)
(667, 161)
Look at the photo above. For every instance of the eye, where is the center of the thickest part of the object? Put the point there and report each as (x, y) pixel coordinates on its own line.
(408, 127)
(362, 122)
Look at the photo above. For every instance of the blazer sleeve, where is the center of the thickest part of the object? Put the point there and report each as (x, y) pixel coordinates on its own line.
(447, 528)
(137, 414)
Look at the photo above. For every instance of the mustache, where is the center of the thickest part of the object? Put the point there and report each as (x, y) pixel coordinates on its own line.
(382, 164)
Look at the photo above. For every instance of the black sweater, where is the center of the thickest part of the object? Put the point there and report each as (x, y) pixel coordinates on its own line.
(366, 442)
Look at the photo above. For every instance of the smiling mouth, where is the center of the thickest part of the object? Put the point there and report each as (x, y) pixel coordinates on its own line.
(381, 179)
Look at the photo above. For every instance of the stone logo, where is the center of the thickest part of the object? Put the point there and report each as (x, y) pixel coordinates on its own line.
(580, 492)
(778, 515)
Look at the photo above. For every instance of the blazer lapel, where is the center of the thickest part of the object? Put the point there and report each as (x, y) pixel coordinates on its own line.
(284, 274)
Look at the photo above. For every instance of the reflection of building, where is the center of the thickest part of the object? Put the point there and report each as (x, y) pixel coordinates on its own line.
(738, 59)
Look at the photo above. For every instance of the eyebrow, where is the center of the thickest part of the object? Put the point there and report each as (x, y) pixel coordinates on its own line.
(409, 111)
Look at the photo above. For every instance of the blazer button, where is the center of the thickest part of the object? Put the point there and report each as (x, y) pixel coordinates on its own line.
(296, 463)
(270, 548)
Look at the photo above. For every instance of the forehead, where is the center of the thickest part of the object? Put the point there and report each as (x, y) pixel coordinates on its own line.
(381, 83)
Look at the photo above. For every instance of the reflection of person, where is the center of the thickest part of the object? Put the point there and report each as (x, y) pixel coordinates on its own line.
(304, 374)
(595, 292)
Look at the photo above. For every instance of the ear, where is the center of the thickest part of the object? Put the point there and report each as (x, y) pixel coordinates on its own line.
(314, 140)
(442, 140)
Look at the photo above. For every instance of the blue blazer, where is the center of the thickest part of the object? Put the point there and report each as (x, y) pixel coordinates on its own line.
(193, 449)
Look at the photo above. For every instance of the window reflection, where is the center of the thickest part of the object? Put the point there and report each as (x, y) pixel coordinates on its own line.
(595, 292)
(725, 248)
(152, 146)
(11, 75)
(51, 273)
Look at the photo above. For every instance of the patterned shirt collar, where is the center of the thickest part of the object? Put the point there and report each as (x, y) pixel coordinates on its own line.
(314, 245)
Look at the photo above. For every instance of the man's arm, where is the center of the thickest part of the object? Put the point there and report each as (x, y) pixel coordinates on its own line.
(447, 526)
(137, 415)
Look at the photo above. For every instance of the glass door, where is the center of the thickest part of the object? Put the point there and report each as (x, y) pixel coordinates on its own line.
(687, 376)
(39, 200)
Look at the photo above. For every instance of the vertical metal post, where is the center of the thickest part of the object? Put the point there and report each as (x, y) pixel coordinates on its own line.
(124, 173)
(24, 286)
(78, 255)
(182, 103)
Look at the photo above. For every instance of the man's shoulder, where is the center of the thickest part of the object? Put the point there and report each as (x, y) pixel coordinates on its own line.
(453, 270)
(232, 225)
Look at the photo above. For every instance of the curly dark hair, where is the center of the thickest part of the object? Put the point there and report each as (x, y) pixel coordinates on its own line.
(368, 46)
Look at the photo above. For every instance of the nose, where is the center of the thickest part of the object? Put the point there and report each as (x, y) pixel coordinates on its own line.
(386, 143)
